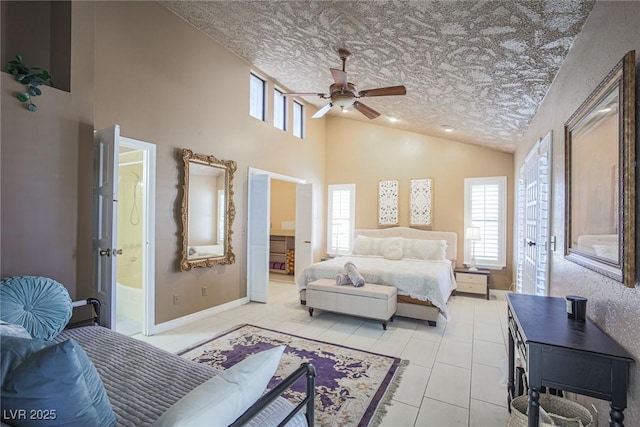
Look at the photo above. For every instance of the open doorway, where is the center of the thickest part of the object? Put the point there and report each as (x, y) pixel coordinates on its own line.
(134, 247)
(282, 229)
(134, 277)
(259, 230)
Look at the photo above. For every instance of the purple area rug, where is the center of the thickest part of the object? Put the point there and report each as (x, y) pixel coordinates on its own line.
(352, 386)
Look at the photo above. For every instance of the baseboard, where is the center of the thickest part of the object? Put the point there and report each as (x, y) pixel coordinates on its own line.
(181, 321)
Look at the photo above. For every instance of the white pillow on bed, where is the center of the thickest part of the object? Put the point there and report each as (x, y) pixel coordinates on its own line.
(373, 246)
(363, 245)
(222, 399)
(392, 251)
(435, 250)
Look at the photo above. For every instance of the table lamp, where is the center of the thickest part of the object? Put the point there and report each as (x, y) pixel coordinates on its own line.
(473, 234)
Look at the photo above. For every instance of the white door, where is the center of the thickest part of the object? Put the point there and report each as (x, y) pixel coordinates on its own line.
(530, 224)
(105, 190)
(534, 193)
(304, 227)
(544, 216)
(258, 237)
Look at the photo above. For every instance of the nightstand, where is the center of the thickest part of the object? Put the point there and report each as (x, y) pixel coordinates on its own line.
(473, 282)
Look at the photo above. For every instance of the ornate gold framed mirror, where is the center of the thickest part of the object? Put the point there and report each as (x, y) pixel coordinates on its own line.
(600, 177)
(208, 211)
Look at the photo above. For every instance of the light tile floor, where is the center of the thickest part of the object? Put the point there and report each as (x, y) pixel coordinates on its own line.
(457, 370)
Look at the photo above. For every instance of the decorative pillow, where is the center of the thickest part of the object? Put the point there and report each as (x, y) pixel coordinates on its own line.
(435, 250)
(372, 246)
(222, 399)
(363, 245)
(59, 384)
(384, 243)
(14, 351)
(392, 251)
(41, 305)
(11, 330)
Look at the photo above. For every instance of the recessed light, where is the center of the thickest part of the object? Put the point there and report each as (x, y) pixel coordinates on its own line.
(393, 119)
(448, 128)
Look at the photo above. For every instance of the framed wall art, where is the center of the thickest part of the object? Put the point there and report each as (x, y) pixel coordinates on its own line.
(420, 202)
(388, 202)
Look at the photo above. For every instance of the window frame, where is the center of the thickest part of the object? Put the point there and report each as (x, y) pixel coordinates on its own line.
(279, 95)
(501, 260)
(331, 188)
(298, 122)
(263, 105)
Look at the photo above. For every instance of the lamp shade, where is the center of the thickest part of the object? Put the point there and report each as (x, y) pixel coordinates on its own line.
(472, 233)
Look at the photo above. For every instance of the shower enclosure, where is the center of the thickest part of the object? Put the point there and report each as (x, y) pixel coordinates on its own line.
(130, 267)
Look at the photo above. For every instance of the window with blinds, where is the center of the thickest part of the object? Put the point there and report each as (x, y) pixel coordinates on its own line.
(298, 119)
(279, 109)
(341, 218)
(485, 206)
(256, 97)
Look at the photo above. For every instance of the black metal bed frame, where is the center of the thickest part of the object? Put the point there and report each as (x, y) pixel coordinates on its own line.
(307, 369)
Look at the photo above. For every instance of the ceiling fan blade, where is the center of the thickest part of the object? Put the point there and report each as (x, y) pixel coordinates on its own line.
(384, 91)
(321, 112)
(321, 95)
(339, 76)
(367, 111)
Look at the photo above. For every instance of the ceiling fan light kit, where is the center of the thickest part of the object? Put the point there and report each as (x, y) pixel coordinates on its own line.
(344, 94)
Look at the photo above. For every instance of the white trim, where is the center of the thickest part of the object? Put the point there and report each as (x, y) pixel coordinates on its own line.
(501, 262)
(199, 315)
(149, 235)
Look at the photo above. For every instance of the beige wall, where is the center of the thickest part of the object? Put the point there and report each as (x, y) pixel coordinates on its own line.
(283, 203)
(41, 173)
(610, 31)
(363, 153)
(166, 83)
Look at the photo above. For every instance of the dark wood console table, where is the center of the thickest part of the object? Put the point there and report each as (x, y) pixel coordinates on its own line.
(564, 354)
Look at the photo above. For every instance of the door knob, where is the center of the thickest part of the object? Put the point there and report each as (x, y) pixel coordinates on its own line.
(307, 241)
(105, 252)
(531, 243)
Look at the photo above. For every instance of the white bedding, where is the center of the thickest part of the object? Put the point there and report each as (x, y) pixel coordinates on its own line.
(424, 280)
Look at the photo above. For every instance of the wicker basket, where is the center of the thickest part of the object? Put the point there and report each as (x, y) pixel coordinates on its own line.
(563, 412)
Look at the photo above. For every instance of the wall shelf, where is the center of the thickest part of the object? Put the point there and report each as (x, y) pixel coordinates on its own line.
(281, 253)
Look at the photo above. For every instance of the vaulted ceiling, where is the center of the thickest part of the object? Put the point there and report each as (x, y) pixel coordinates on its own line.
(481, 67)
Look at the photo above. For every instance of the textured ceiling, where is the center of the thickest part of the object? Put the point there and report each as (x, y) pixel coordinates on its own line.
(482, 67)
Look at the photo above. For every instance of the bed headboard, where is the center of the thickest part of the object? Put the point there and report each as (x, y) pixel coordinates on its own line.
(412, 233)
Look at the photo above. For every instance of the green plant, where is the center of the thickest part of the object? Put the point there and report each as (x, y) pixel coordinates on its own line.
(31, 78)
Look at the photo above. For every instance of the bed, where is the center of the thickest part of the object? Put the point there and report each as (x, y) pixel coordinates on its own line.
(419, 263)
(75, 374)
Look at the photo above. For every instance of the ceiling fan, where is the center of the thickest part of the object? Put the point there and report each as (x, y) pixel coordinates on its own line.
(344, 94)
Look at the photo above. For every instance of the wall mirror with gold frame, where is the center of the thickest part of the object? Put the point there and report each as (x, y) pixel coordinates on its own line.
(208, 211)
(600, 177)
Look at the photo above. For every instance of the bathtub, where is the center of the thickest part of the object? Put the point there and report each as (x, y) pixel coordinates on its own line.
(129, 302)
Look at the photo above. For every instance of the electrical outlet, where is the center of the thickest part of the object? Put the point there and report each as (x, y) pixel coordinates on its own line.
(204, 291)
(176, 299)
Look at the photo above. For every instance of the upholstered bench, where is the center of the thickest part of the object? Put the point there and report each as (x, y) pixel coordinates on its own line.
(371, 301)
